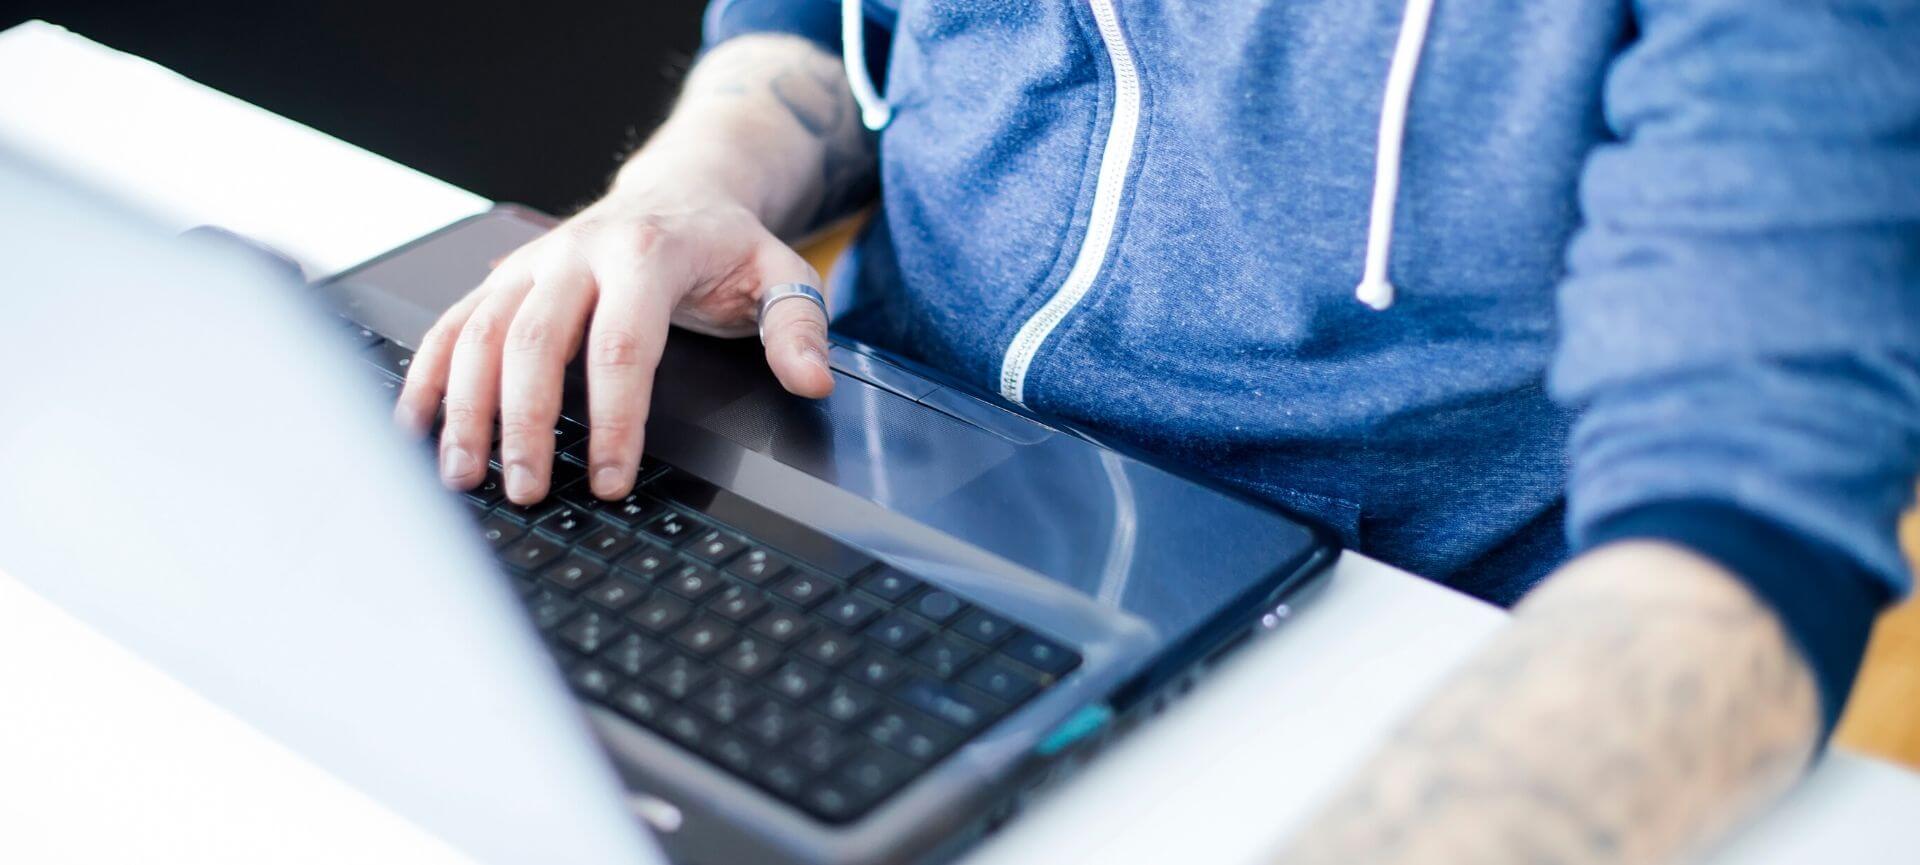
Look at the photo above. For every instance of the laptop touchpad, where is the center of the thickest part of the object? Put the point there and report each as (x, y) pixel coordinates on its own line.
(861, 438)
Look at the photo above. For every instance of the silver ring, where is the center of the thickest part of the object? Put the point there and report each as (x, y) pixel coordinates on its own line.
(783, 291)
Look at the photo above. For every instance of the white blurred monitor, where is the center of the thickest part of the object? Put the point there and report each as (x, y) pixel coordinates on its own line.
(180, 468)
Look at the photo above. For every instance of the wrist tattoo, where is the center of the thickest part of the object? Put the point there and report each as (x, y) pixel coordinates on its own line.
(1603, 726)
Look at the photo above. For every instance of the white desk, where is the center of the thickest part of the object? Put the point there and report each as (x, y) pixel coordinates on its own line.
(105, 759)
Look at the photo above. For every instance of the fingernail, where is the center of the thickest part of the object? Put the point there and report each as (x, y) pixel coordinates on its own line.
(606, 481)
(519, 481)
(455, 463)
(814, 355)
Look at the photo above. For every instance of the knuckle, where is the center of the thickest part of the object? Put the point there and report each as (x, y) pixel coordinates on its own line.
(529, 335)
(523, 425)
(613, 430)
(805, 329)
(482, 330)
(649, 236)
(613, 348)
(463, 412)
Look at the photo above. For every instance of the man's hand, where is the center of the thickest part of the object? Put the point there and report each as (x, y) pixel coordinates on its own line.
(1641, 702)
(762, 136)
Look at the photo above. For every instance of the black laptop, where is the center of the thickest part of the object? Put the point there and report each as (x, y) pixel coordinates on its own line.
(863, 629)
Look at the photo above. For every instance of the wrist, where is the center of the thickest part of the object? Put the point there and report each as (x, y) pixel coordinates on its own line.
(716, 157)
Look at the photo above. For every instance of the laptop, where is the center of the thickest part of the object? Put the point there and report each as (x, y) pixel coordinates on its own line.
(865, 629)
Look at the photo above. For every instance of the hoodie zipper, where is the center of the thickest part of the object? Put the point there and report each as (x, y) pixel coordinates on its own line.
(1115, 159)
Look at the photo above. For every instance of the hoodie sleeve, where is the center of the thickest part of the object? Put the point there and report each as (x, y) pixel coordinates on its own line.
(1741, 313)
(817, 20)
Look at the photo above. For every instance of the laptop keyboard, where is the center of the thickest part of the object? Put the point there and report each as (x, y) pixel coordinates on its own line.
(773, 651)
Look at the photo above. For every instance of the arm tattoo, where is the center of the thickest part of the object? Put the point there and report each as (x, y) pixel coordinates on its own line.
(812, 91)
(1637, 705)
(821, 103)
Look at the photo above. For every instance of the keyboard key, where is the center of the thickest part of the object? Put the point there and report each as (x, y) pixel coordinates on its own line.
(1040, 653)
(851, 612)
(550, 608)
(691, 580)
(737, 603)
(633, 654)
(764, 526)
(660, 614)
(896, 632)
(804, 590)
(945, 656)
(877, 669)
(392, 357)
(797, 681)
(959, 706)
(684, 727)
(749, 657)
(632, 512)
(781, 626)
(566, 434)
(498, 531)
(529, 514)
(725, 701)
(781, 776)
(715, 547)
(888, 585)
(983, 627)
(817, 747)
(875, 772)
(616, 594)
(491, 491)
(845, 703)
(829, 648)
(1008, 683)
(607, 542)
(531, 553)
(677, 678)
(639, 704)
(565, 476)
(592, 679)
(732, 751)
(938, 607)
(574, 572)
(567, 523)
(772, 724)
(757, 566)
(361, 336)
(704, 636)
(591, 631)
(647, 563)
(672, 528)
(914, 735)
(831, 800)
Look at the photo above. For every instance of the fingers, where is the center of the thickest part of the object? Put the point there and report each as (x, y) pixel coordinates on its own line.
(795, 331)
(623, 349)
(544, 335)
(473, 378)
(427, 375)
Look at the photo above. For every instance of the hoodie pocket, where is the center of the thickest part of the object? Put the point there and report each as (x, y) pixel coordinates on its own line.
(1338, 514)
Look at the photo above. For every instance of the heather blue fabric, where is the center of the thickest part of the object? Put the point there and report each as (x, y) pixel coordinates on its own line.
(1699, 220)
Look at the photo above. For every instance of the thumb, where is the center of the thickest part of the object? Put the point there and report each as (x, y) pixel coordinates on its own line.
(795, 334)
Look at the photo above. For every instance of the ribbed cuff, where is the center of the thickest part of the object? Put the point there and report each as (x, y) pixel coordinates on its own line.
(817, 20)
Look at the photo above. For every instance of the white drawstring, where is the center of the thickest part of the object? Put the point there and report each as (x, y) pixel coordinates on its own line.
(874, 111)
(1375, 290)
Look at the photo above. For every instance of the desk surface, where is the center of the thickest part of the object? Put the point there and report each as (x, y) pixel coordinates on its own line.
(104, 758)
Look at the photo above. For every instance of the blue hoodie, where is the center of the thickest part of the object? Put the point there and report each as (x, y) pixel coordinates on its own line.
(1644, 254)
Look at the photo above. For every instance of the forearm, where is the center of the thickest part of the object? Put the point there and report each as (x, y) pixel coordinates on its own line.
(766, 121)
(1640, 702)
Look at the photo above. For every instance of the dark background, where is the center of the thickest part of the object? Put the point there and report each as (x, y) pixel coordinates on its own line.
(518, 101)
